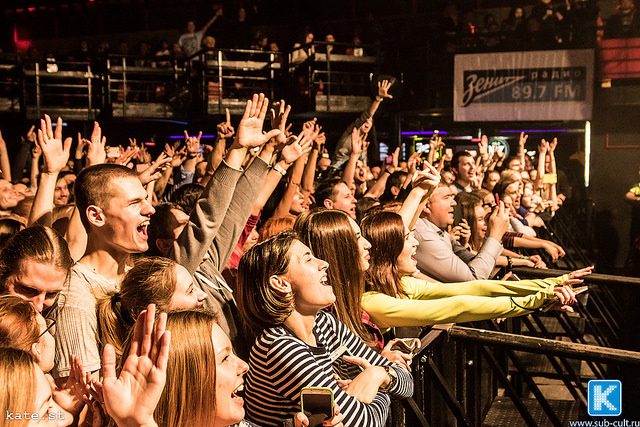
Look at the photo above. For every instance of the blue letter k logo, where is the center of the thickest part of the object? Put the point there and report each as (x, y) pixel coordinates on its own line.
(604, 398)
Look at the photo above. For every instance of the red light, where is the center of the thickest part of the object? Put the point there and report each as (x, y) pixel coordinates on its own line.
(32, 9)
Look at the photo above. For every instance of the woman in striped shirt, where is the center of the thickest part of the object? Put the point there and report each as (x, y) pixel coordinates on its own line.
(282, 289)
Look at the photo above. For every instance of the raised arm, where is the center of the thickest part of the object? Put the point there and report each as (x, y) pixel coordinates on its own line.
(357, 147)
(423, 183)
(224, 132)
(521, 150)
(378, 187)
(383, 93)
(210, 211)
(300, 147)
(309, 174)
(211, 21)
(56, 154)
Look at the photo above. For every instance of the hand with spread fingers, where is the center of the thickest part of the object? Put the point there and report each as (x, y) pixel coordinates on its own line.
(250, 128)
(131, 398)
(54, 151)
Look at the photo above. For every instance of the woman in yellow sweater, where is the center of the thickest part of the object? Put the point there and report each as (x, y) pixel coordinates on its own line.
(394, 297)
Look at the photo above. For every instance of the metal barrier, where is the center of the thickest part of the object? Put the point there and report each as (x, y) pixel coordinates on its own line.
(338, 75)
(137, 88)
(10, 83)
(226, 78)
(599, 309)
(457, 371)
(66, 89)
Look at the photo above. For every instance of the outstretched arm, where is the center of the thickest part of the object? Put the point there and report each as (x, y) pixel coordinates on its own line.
(383, 93)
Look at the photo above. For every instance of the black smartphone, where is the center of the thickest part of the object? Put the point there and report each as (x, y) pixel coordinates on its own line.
(317, 404)
(457, 215)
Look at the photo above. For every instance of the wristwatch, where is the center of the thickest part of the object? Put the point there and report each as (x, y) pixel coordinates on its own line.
(393, 378)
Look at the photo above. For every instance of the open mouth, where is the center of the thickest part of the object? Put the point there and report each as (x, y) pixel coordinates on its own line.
(142, 230)
(237, 394)
(324, 281)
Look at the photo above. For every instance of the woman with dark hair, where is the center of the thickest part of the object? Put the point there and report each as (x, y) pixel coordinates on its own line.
(476, 215)
(35, 264)
(333, 236)
(395, 298)
(282, 291)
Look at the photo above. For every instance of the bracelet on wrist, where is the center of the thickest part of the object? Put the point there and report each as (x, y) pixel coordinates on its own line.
(379, 98)
(282, 171)
(393, 378)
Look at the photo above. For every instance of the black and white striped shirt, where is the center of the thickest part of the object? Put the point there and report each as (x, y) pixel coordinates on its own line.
(281, 364)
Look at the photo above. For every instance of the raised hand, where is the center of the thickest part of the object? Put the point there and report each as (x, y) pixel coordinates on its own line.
(96, 146)
(356, 142)
(523, 139)
(54, 151)
(383, 89)
(224, 129)
(250, 128)
(36, 152)
(126, 155)
(543, 147)
(296, 148)
(192, 143)
(155, 169)
(498, 222)
(131, 398)
(80, 145)
(483, 146)
(279, 121)
(552, 145)
(319, 142)
(428, 178)
(31, 135)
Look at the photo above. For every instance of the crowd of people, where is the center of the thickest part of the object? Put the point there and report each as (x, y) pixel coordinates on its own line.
(213, 284)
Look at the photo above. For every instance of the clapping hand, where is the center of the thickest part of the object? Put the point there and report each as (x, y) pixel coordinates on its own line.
(131, 398)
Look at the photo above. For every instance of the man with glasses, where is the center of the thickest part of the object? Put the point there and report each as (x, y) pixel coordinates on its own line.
(442, 257)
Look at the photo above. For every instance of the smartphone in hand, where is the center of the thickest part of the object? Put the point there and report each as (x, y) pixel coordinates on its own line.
(317, 404)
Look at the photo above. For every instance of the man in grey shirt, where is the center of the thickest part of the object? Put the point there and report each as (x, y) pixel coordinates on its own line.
(443, 258)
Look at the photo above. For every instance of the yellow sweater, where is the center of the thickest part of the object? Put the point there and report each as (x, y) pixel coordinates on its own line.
(433, 303)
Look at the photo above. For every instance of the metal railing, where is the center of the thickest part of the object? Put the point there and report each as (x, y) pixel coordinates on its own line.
(458, 369)
(67, 89)
(226, 78)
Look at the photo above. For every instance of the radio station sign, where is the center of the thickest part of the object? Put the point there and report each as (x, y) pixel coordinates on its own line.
(523, 86)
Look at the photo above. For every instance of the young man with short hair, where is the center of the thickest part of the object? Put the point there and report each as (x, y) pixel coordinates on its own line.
(463, 166)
